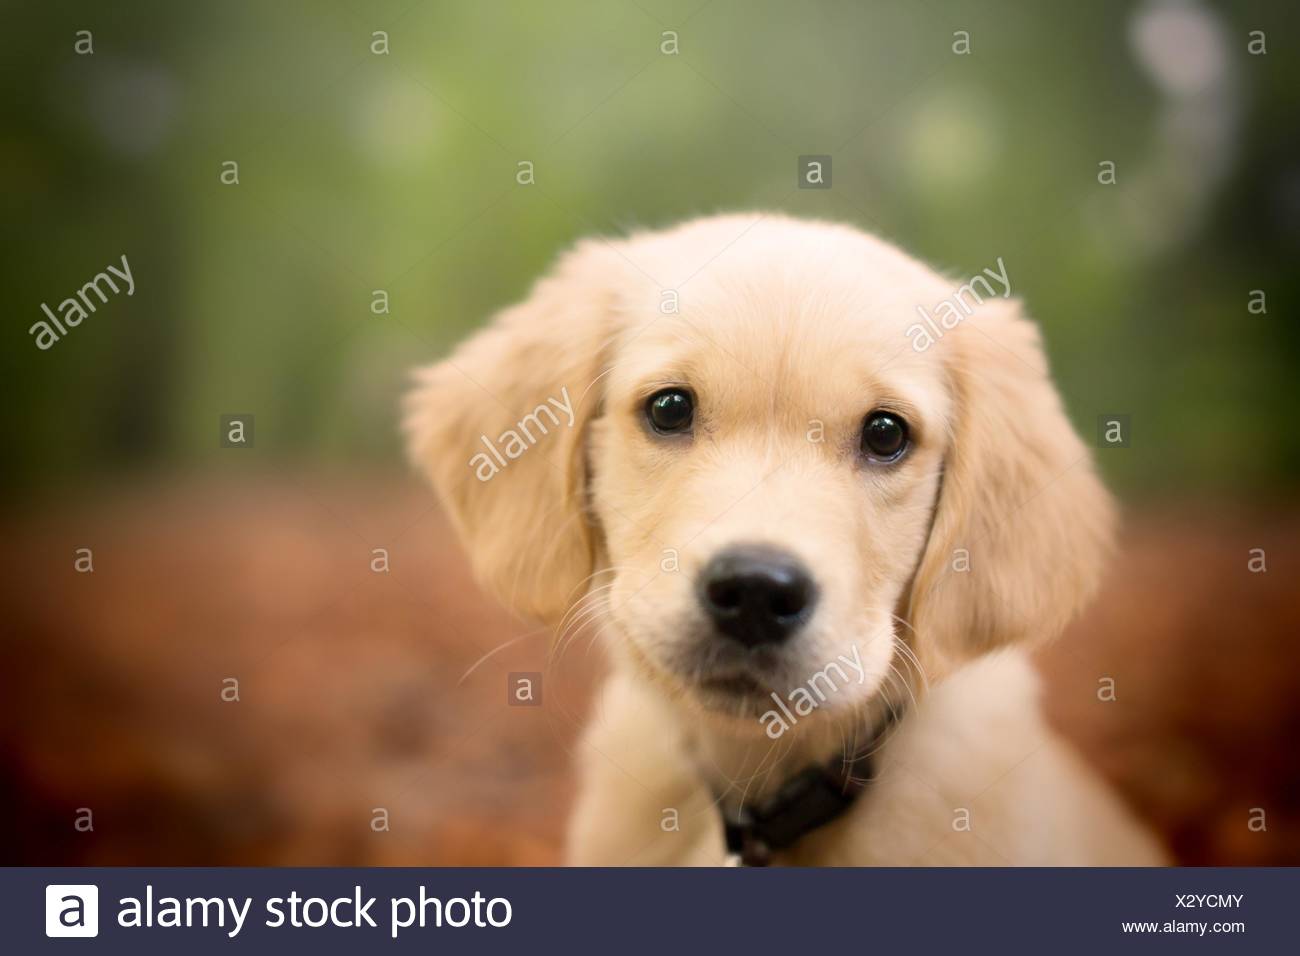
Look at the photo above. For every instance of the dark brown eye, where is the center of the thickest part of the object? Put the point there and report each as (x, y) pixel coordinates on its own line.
(884, 437)
(670, 411)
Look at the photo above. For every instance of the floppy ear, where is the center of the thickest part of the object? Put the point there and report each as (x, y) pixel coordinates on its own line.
(1023, 525)
(498, 427)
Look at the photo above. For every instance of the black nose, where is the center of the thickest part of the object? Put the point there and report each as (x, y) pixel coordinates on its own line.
(756, 594)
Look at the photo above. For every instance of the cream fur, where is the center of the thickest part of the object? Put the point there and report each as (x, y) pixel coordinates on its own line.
(789, 332)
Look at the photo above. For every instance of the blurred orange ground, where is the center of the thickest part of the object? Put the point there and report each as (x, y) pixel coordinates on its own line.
(354, 694)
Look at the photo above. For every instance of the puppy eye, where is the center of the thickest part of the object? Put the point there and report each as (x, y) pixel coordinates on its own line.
(670, 411)
(884, 437)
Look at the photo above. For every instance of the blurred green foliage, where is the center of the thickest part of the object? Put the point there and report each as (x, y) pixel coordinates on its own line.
(361, 171)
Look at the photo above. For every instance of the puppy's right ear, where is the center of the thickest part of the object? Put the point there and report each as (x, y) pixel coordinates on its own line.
(499, 425)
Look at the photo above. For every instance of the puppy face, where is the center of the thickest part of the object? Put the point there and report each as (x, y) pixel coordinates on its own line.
(764, 474)
(766, 481)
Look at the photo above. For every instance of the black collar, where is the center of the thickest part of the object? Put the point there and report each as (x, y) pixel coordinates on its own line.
(812, 798)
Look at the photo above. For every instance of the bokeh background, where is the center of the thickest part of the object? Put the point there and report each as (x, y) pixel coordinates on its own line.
(1168, 295)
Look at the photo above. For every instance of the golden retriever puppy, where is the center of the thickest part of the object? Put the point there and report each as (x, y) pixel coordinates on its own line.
(818, 499)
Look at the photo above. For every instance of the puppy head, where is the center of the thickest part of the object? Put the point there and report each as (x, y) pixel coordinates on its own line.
(754, 469)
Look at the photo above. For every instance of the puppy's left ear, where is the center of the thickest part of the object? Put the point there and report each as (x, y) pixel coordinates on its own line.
(1023, 524)
(498, 427)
